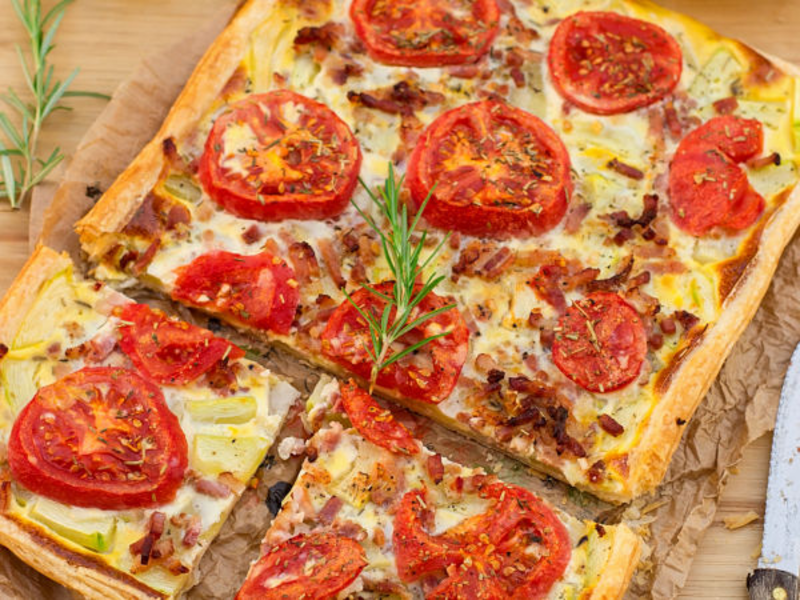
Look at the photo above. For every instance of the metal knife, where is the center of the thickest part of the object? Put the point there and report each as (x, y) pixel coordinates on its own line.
(776, 575)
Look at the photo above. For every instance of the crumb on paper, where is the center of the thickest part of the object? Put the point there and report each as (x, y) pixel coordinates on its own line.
(740, 520)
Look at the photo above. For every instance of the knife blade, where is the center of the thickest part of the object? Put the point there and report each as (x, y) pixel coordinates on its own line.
(776, 575)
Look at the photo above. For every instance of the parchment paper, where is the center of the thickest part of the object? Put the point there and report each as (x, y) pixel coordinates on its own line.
(740, 407)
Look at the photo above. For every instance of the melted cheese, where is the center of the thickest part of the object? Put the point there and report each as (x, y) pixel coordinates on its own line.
(713, 69)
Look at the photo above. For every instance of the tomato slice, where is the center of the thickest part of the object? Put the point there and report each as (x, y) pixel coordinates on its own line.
(429, 375)
(313, 566)
(375, 423)
(601, 343)
(707, 188)
(426, 33)
(518, 548)
(167, 350)
(258, 290)
(101, 437)
(498, 171)
(279, 156)
(606, 63)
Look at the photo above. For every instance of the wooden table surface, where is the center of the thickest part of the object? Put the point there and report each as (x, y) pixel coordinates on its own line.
(107, 38)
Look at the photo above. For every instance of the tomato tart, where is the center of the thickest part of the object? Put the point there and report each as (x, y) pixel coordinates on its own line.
(127, 436)
(375, 514)
(612, 186)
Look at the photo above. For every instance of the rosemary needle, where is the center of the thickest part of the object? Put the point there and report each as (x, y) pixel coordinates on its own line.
(20, 168)
(402, 256)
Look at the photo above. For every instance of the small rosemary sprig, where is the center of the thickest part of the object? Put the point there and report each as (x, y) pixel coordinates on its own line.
(403, 259)
(20, 168)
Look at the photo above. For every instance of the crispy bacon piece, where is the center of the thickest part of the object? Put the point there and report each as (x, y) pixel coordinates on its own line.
(304, 261)
(3, 350)
(341, 73)
(565, 442)
(576, 213)
(624, 169)
(610, 425)
(765, 161)
(617, 280)
(215, 489)
(673, 122)
(482, 259)
(435, 468)
(551, 282)
(333, 260)
(327, 35)
(686, 319)
(193, 531)
(402, 98)
(649, 213)
(329, 511)
(596, 471)
(726, 106)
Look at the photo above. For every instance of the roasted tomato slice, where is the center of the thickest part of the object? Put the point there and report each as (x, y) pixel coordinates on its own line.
(707, 188)
(518, 548)
(258, 290)
(312, 566)
(167, 350)
(606, 63)
(601, 342)
(498, 171)
(428, 375)
(101, 437)
(375, 423)
(280, 156)
(426, 33)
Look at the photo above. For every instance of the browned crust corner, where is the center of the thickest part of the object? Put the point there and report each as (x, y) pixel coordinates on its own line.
(40, 267)
(80, 572)
(619, 568)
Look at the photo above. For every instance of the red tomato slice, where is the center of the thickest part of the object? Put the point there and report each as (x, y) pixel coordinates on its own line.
(280, 156)
(498, 171)
(101, 437)
(707, 188)
(497, 542)
(312, 566)
(258, 290)
(601, 343)
(429, 375)
(606, 63)
(375, 423)
(167, 350)
(426, 33)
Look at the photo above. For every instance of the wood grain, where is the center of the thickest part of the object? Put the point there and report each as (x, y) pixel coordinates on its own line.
(106, 38)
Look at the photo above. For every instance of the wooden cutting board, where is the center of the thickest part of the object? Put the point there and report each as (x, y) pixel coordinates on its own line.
(107, 38)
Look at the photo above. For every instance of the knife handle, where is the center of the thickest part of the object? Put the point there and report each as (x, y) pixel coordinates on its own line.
(772, 584)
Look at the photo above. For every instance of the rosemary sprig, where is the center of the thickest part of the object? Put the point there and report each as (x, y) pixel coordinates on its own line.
(20, 168)
(403, 259)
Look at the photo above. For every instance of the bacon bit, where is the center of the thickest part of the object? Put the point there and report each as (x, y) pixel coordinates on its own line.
(157, 522)
(596, 472)
(463, 71)
(328, 512)
(332, 259)
(326, 35)
(639, 280)
(649, 213)
(673, 122)
(566, 442)
(655, 341)
(162, 549)
(519, 31)
(625, 170)
(455, 240)
(176, 567)
(402, 98)
(193, 531)
(252, 234)
(726, 106)
(435, 468)
(551, 281)
(495, 376)
(304, 261)
(351, 530)
(610, 425)
(529, 416)
(238, 83)
(576, 213)
(773, 159)
(341, 73)
(211, 488)
(645, 304)
(379, 537)
(482, 259)
(546, 337)
(686, 319)
(145, 259)
(537, 257)
(624, 235)
(3, 351)
(664, 267)
(615, 281)
(518, 76)
(174, 159)
(601, 531)
(485, 363)
(668, 326)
